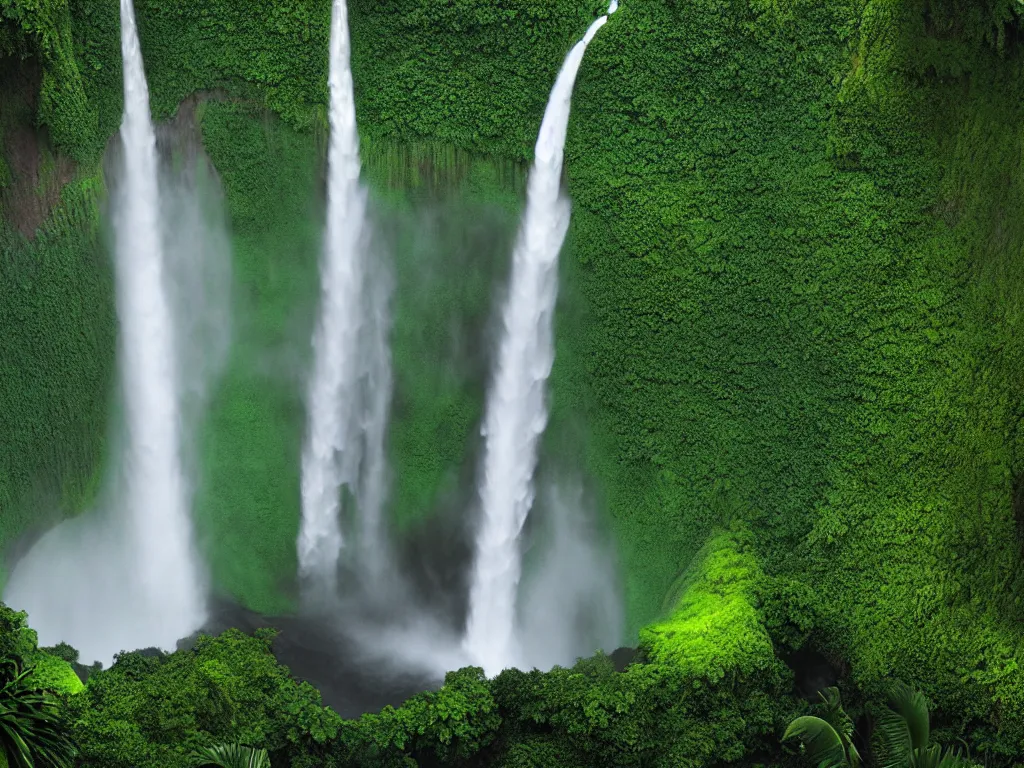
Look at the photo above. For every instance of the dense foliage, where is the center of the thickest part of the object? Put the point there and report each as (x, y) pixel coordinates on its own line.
(155, 710)
(34, 721)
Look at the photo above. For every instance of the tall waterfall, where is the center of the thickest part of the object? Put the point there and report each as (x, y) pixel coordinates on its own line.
(350, 385)
(156, 491)
(516, 409)
(131, 578)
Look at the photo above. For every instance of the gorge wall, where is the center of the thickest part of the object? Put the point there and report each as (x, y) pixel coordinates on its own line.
(791, 289)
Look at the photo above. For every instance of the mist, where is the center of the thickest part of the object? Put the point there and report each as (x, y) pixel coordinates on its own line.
(81, 581)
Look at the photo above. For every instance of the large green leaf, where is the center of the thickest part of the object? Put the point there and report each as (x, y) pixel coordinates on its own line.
(233, 756)
(822, 743)
(903, 730)
(912, 706)
(833, 713)
(16, 746)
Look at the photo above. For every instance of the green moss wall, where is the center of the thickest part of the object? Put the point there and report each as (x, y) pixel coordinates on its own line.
(793, 281)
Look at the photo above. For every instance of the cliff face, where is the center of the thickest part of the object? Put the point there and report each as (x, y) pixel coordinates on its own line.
(792, 284)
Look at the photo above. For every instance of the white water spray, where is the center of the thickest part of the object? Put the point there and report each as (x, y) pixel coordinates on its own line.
(156, 490)
(516, 408)
(350, 385)
(131, 580)
(571, 600)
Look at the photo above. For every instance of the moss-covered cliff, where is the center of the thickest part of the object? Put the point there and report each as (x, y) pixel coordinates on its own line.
(794, 266)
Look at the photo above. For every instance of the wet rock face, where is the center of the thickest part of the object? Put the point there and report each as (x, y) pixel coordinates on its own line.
(623, 657)
(31, 173)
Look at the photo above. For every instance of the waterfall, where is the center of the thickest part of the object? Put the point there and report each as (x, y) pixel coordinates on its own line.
(350, 383)
(156, 492)
(516, 409)
(131, 579)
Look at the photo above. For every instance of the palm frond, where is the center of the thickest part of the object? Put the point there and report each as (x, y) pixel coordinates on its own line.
(16, 747)
(832, 712)
(233, 756)
(821, 742)
(32, 732)
(893, 746)
(912, 706)
(954, 758)
(926, 757)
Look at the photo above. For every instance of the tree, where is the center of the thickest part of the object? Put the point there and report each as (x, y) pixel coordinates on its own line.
(903, 734)
(827, 740)
(232, 756)
(32, 729)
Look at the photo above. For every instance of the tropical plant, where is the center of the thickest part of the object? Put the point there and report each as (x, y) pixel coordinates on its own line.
(32, 730)
(827, 740)
(903, 734)
(233, 756)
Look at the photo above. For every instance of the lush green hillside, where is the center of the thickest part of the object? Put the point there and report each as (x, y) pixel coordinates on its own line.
(794, 265)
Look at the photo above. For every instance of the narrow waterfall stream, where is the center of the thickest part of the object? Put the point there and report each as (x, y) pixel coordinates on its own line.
(129, 578)
(156, 492)
(350, 383)
(516, 408)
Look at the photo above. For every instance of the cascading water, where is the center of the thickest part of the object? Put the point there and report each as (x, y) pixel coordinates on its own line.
(350, 384)
(156, 491)
(516, 409)
(131, 579)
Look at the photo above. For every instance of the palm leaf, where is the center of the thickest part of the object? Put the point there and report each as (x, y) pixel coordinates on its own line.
(912, 706)
(953, 758)
(903, 731)
(233, 756)
(32, 732)
(832, 712)
(927, 757)
(821, 742)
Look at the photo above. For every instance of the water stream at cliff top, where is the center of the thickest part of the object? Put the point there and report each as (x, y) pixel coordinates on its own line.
(516, 409)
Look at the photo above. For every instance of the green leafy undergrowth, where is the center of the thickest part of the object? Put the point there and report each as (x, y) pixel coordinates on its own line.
(19, 642)
(714, 627)
(54, 674)
(157, 710)
(154, 711)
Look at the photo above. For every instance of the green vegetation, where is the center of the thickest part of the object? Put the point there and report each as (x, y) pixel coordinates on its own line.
(56, 364)
(233, 756)
(32, 731)
(827, 741)
(715, 627)
(150, 711)
(904, 739)
(176, 710)
(34, 724)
